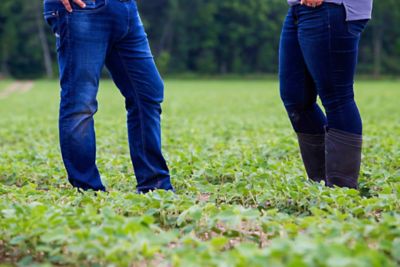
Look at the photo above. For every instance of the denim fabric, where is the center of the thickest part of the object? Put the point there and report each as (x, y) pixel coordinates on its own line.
(107, 33)
(318, 56)
(355, 9)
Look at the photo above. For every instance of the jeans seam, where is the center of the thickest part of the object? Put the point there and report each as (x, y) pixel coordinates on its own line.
(329, 51)
(140, 112)
(69, 73)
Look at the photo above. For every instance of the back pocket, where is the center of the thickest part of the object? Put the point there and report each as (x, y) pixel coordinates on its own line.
(356, 27)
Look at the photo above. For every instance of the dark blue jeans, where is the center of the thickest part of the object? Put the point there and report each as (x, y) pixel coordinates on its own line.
(110, 33)
(318, 57)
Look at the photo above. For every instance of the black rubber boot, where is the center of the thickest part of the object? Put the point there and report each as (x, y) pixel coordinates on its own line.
(343, 158)
(312, 148)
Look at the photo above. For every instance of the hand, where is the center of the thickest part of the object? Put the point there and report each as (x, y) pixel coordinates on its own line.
(68, 5)
(311, 3)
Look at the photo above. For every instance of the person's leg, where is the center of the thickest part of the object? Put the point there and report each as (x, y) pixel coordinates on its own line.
(299, 96)
(82, 45)
(134, 71)
(330, 50)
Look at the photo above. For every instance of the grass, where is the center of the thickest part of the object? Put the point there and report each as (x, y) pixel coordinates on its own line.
(242, 196)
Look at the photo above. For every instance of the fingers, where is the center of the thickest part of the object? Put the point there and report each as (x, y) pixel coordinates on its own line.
(311, 3)
(80, 3)
(69, 7)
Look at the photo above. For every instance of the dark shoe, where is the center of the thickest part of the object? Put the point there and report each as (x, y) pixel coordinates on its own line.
(312, 148)
(343, 158)
(148, 191)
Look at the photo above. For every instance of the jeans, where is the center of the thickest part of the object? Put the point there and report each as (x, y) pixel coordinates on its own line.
(318, 57)
(107, 33)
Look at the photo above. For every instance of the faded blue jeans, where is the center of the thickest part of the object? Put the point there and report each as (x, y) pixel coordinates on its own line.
(318, 57)
(107, 33)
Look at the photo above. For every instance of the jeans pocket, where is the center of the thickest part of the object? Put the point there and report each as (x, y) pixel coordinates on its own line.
(51, 18)
(92, 6)
(356, 27)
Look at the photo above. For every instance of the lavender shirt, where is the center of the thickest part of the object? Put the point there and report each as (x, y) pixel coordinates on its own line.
(355, 9)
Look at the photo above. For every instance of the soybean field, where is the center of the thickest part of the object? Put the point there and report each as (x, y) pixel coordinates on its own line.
(242, 197)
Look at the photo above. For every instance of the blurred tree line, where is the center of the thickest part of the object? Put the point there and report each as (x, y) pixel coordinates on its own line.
(195, 36)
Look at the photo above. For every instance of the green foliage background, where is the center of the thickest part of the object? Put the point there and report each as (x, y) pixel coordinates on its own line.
(200, 36)
(242, 195)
